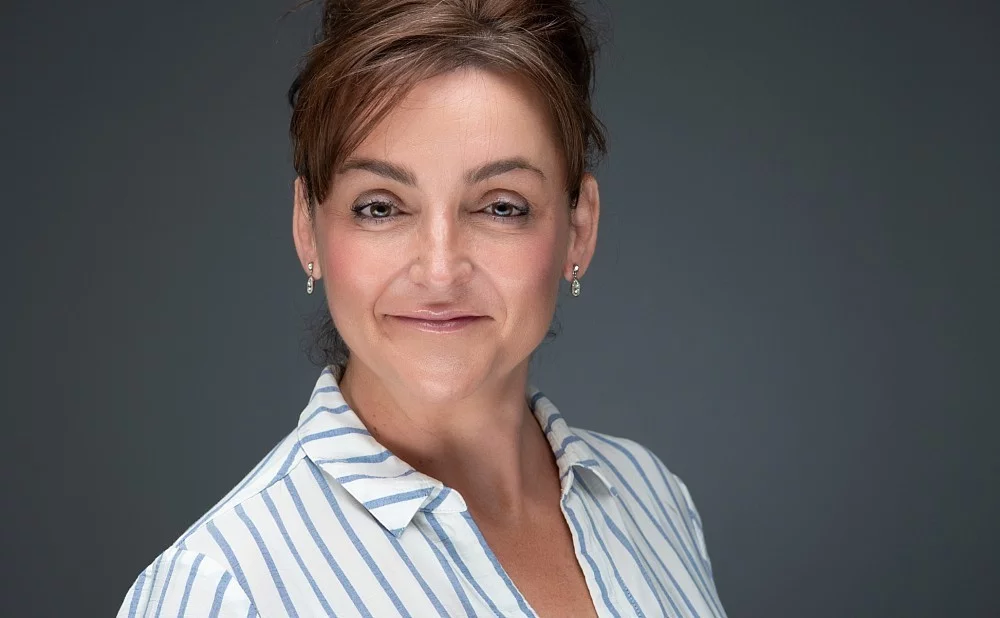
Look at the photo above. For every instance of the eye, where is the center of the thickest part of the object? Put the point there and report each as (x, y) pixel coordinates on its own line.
(379, 210)
(502, 209)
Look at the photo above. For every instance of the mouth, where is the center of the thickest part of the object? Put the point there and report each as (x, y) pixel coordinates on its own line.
(438, 324)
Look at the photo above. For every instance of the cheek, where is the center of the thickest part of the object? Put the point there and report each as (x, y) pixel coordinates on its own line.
(355, 271)
(527, 274)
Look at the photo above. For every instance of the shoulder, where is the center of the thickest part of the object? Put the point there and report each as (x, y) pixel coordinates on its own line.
(195, 572)
(272, 468)
(181, 582)
(644, 482)
(629, 462)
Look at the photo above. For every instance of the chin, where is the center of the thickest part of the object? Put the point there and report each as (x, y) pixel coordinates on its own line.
(439, 380)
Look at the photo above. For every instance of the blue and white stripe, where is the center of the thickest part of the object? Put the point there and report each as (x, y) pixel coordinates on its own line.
(330, 523)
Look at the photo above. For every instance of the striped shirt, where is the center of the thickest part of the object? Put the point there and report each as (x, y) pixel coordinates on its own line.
(331, 523)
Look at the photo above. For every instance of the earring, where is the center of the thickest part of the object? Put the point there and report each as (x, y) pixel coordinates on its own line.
(575, 286)
(309, 281)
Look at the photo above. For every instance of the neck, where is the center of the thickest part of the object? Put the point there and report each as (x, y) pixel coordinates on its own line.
(487, 444)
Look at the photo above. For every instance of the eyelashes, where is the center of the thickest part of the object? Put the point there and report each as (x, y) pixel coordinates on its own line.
(517, 212)
(358, 209)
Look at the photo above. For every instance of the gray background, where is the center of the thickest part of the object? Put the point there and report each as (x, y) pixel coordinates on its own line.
(794, 300)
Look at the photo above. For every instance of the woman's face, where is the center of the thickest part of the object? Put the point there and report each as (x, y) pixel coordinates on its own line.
(455, 204)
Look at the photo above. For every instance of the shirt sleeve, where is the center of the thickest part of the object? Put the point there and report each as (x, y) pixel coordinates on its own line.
(185, 583)
(695, 519)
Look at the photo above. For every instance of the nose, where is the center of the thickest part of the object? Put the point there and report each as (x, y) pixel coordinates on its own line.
(443, 260)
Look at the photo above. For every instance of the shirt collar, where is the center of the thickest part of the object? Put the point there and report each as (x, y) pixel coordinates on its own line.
(334, 439)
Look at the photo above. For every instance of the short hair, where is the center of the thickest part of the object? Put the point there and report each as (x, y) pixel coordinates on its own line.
(368, 54)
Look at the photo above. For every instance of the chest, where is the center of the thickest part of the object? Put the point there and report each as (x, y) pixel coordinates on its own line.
(542, 563)
(331, 557)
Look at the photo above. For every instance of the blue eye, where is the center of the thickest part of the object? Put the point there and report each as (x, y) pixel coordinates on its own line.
(510, 210)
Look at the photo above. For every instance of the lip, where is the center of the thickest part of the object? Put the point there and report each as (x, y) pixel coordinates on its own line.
(435, 316)
(449, 321)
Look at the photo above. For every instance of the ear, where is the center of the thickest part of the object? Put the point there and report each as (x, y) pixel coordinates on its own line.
(583, 227)
(303, 231)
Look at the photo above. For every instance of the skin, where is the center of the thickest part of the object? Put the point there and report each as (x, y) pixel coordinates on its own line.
(452, 404)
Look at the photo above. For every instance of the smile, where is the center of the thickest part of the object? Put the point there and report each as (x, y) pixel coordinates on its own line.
(438, 326)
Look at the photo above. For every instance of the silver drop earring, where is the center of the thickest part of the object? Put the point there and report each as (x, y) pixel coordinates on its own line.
(575, 286)
(310, 280)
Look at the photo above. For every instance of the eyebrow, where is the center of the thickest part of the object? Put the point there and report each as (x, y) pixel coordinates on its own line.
(405, 176)
(502, 166)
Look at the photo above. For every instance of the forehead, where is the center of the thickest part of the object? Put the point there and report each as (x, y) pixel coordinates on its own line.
(469, 116)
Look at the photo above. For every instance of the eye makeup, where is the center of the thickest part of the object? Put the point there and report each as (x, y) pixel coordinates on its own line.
(517, 212)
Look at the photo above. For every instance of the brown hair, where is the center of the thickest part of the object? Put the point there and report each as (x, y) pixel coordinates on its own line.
(368, 54)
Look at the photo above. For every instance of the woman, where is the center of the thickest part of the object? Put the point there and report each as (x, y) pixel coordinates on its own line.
(441, 193)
